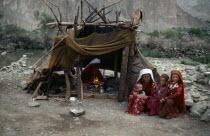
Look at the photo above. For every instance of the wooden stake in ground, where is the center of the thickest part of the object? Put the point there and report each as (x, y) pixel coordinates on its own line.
(68, 86)
(37, 89)
(124, 65)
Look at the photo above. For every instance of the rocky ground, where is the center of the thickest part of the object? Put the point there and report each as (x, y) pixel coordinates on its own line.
(103, 116)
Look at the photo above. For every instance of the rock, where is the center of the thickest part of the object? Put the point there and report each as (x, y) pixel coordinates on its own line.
(203, 81)
(195, 114)
(24, 65)
(206, 116)
(200, 76)
(3, 53)
(198, 108)
(208, 106)
(188, 83)
(4, 68)
(189, 102)
(195, 95)
(77, 112)
(23, 84)
(33, 104)
(24, 56)
(202, 68)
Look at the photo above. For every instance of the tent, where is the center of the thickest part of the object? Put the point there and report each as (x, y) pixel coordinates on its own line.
(114, 43)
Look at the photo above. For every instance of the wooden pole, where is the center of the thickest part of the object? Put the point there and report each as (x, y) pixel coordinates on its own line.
(68, 86)
(124, 65)
(79, 82)
(81, 18)
(116, 63)
(37, 89)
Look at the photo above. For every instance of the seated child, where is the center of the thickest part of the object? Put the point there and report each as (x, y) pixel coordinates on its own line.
(139, 89)
(135, 103)
(162, 90)
(173, 104)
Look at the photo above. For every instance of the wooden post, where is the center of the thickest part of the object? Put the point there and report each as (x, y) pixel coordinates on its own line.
(116, 64)
(37, 89)
(79, 82)
(81, 18)
(124, 64)
(68, 86)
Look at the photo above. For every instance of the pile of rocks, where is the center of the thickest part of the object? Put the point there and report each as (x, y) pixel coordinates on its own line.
(196, 83)
(18, 67)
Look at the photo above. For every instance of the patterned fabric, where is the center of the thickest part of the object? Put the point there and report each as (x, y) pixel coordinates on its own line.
(170, 108)
(154, 102)
(137, 105)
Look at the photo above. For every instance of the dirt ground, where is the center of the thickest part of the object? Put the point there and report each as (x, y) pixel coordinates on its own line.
(103, 117)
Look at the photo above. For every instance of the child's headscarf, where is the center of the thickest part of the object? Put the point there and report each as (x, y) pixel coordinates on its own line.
(165, 76)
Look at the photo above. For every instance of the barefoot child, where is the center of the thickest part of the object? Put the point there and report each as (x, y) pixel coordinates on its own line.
(174, 103)
(155, 101)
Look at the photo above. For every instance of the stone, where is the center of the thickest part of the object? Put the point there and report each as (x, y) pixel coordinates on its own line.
(200, 76)
(195, 95)
(202, 68)
(195, 114)
(206, 116)
(188, 83)
(33, 104)
(208, 106)
(189, 102)
(202, 81)
(77, 112)
(3, 53)
(23, 84)
(198, 108)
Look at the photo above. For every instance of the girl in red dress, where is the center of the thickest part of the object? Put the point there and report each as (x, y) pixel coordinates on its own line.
(162, 91)
(174, 103)
(137, 102)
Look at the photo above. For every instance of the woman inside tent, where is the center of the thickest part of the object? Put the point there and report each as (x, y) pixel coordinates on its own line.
(137, 102)
(92, 71)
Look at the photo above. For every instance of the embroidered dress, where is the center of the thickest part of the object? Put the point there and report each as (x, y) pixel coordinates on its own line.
(154, 102)
(174, 103)
(137, 105)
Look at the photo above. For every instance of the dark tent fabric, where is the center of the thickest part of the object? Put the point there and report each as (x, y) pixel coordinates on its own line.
(67, 52)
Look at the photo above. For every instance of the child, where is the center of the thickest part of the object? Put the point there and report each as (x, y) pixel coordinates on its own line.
(174, 103)
(138, 89)
(135, 104)
(155, 101)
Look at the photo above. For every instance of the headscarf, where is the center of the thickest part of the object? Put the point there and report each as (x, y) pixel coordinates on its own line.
(145, 71)
(179, 74)
(179, 100)
(94, 61)
(165, 76)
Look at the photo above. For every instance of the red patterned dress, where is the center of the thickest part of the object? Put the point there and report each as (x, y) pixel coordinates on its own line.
(174, 103)
(154, 102)
(137, 105)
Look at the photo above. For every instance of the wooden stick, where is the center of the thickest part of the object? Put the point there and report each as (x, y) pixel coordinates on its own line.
(68, 86)
(106, 7)
(50, 50)
(87, 19)
(81, 18)
(37, 90)
(96, 11)
(99, 17)
(87, 24)
(116, 64)
(124, 64)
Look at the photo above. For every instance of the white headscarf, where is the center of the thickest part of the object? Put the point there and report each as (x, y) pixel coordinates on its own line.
(95, 61)
(145, 71)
